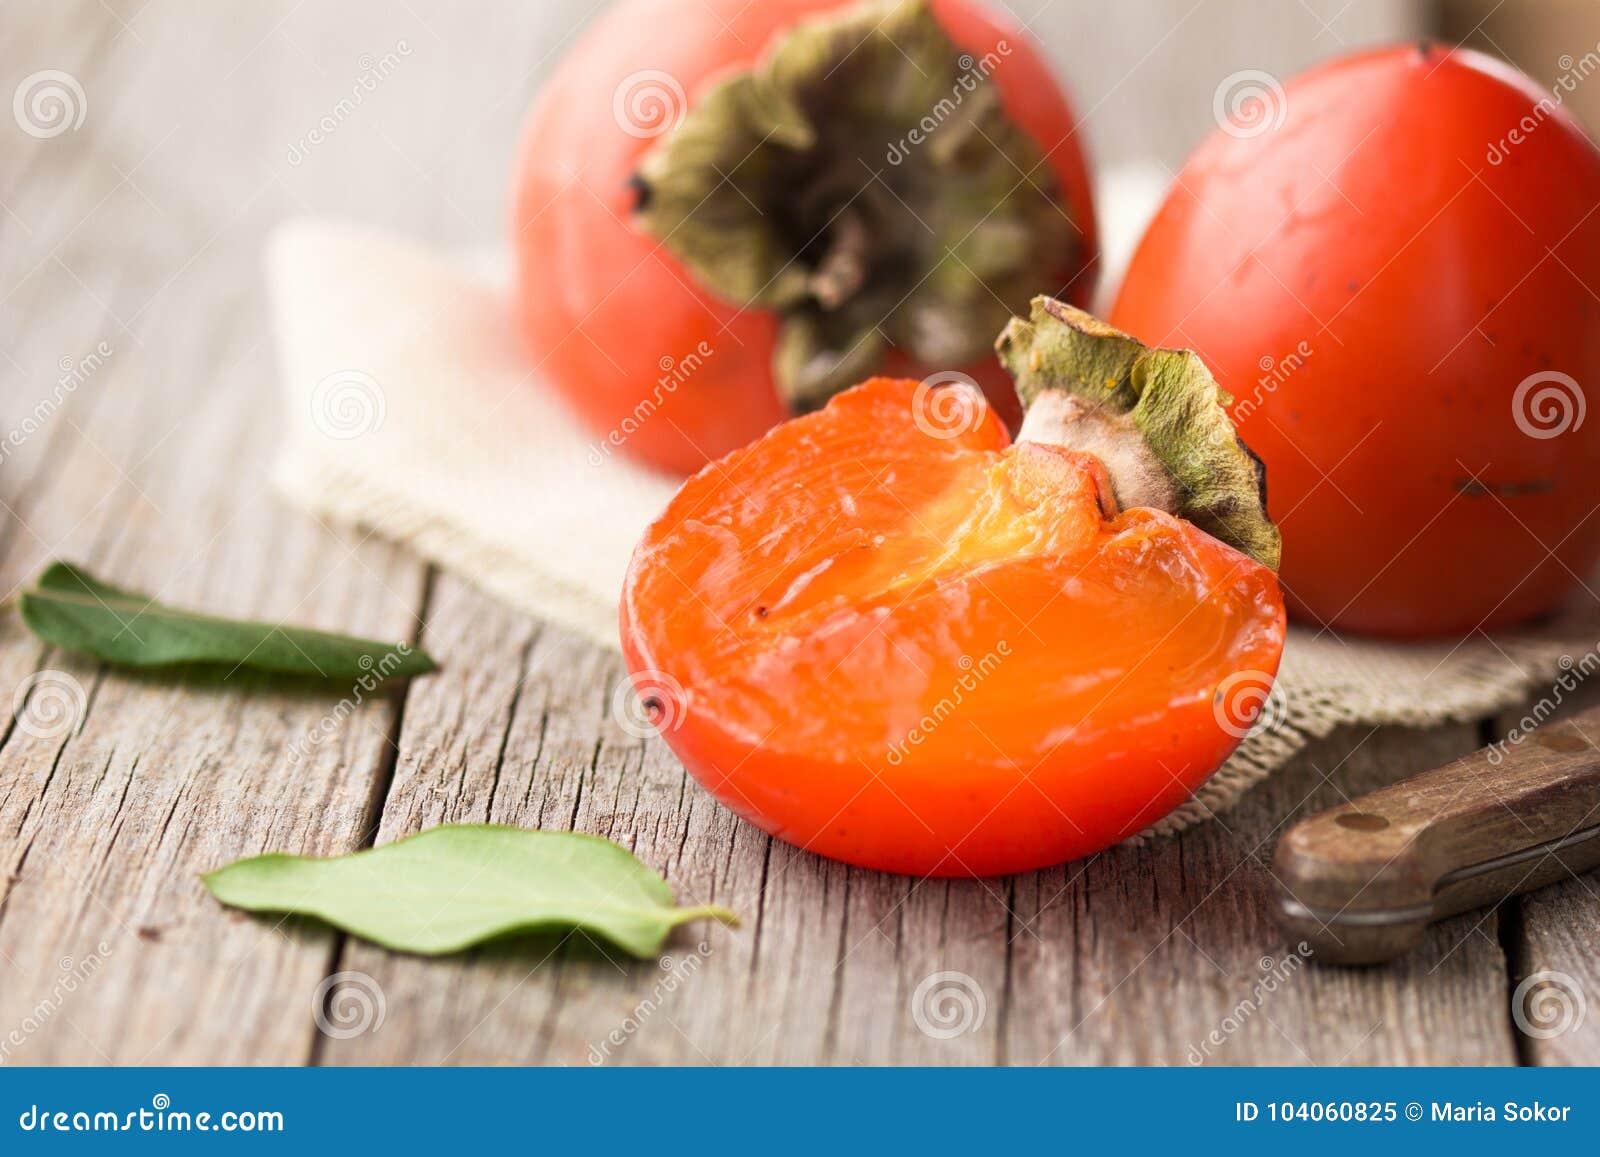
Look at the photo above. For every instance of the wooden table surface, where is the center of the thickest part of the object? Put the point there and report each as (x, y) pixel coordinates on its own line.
(141, 229)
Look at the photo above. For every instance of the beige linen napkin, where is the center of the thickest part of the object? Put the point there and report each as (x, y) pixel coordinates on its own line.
(413, 412)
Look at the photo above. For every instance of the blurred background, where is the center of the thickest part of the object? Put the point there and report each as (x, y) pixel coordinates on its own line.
(1545, 38)
(197, 119)
(181, 78)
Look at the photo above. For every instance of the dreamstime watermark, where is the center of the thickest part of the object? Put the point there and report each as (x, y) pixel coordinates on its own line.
(649, 103)
(375, 671)
(948, 1004)
(677, 971)
(1246, 701)
(974, 72)
(1573, 73)
(72, 976)
(1573, 673)
(1275, 973)
(160, 1117)
(73, 372)
(374, 71)
(1248, 103)
(973, 673)
(674, 372)
(648, 703)
(1274, 373)
(348, 1004)
(347, 404)
(49, 103)
(1548, 1004)
(48, 704)
(1547, 404)
(947, 405)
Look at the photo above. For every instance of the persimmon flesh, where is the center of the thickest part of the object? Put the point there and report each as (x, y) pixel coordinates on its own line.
(910, 644)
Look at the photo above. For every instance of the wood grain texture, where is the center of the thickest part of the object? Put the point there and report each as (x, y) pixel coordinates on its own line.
(1553, 944)
(151, 470)
(517, 728)
(1138, 955)
(1143, 954)
(143, 230)
(108, 825)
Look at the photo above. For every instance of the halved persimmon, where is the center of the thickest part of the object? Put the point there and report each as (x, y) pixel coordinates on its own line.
(885, 633)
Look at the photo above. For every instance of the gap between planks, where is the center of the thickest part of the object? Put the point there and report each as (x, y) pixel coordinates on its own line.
(1131, 957)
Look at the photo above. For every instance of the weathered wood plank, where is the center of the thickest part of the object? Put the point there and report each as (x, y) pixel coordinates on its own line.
(1140, 955)
(1553, 937)
(517, 729)
(107, 828)
(152, 470)
(165, 778)
(143, 230)
(467, 730)
(1132, 957)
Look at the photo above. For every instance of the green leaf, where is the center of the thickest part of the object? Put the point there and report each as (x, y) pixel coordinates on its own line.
(454, 886)
(71, 609)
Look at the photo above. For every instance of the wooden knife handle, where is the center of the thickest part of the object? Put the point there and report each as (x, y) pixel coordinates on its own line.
(1360, 883)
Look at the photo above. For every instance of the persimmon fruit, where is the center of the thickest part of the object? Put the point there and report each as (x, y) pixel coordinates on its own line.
(1393, 265)
(724, 212)
(887, 633)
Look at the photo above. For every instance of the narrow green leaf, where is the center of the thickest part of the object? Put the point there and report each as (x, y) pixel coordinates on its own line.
(70, 608)
(454, 886)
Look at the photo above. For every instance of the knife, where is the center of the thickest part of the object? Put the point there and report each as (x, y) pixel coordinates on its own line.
(1360, 883)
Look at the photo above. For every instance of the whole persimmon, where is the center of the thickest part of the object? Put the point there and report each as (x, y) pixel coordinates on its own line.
(887, 633)
(724, 212)
(1393, 264)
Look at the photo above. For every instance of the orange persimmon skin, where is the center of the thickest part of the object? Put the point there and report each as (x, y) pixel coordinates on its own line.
(937, 655)
(611, 319)
(1374, 280)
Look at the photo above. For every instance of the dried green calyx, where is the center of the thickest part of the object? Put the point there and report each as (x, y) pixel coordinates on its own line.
(862, 181)
(1155, 417)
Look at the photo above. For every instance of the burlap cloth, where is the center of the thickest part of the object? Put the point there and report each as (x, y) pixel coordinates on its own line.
(412, 411)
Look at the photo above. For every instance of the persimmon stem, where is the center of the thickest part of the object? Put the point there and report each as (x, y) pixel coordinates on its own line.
(1138, 476)
(843, 269)
(861, 181)
(1155, 418)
